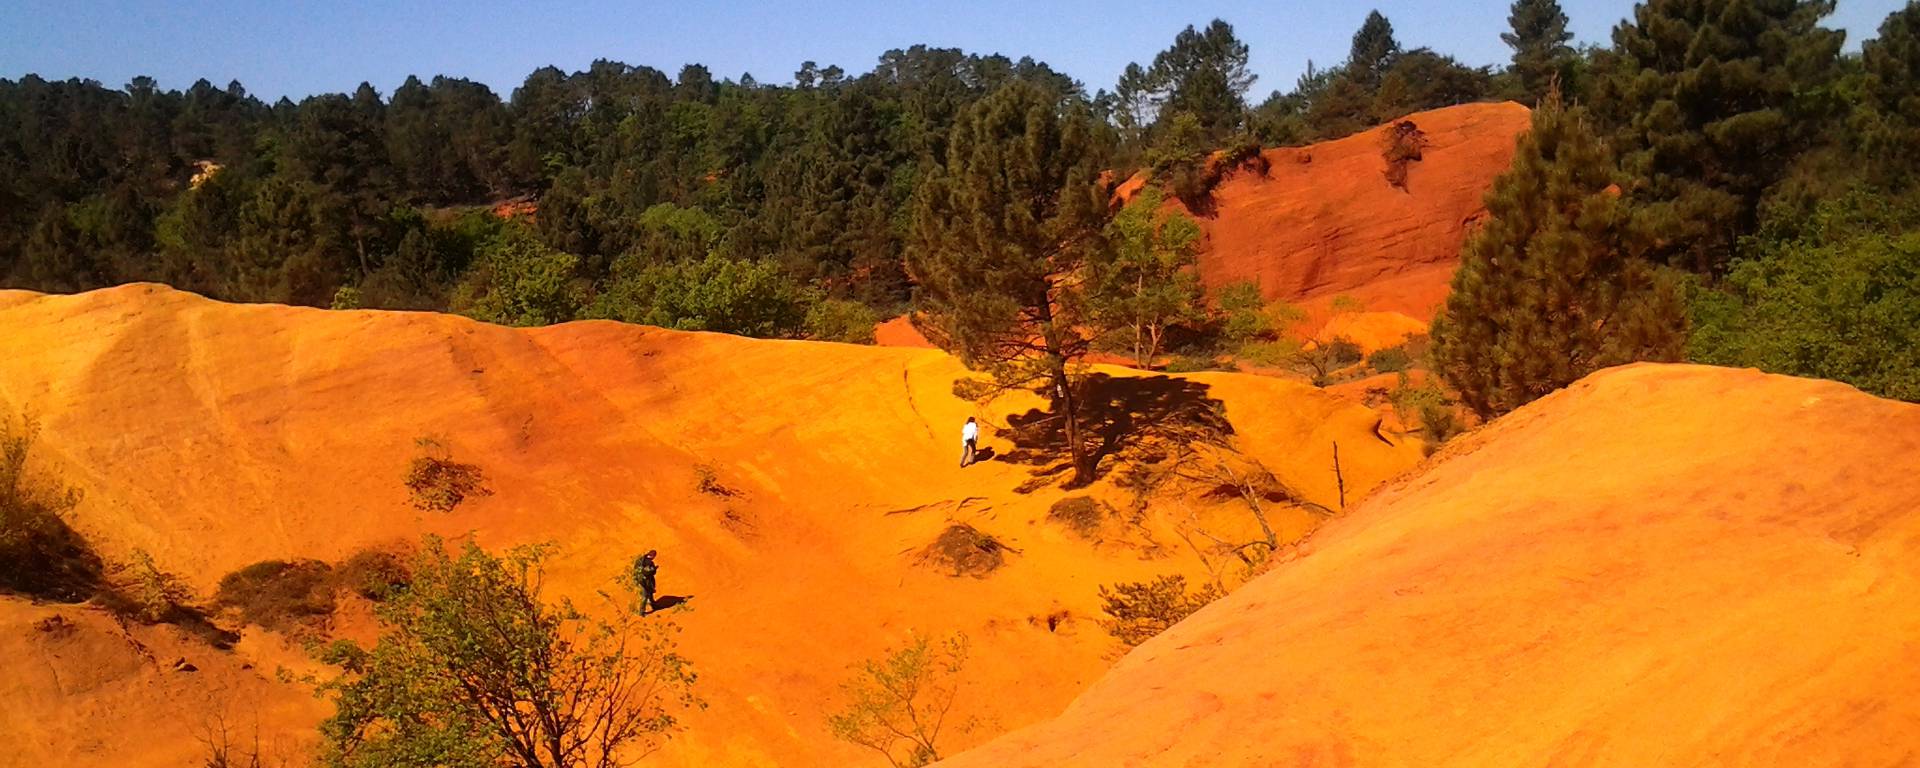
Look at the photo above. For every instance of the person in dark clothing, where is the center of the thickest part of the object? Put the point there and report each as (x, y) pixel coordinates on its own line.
(643, 578)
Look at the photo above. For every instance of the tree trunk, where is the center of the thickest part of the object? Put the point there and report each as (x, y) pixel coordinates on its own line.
(1070, 412)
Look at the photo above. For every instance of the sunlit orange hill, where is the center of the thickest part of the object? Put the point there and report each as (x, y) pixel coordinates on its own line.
(1659, 566)
(215, 435)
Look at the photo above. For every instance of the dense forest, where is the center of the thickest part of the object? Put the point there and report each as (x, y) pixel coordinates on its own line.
(1675, 185)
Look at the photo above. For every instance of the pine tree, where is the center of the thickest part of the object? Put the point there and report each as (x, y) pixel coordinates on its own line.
(1374, 49)
(1710, 101)
(1888, 121)
(1551, 288)
(1204, 73)
(999, 235)
(1539, 39)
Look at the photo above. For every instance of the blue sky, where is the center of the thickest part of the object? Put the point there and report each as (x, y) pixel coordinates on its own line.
(300, 48)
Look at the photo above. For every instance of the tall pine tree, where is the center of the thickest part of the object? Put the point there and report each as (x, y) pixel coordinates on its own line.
(1710, 102)
(999, 237)
(1539, 39)
(1551, 288)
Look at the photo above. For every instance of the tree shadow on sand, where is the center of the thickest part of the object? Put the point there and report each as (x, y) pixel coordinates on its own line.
(1124, 420)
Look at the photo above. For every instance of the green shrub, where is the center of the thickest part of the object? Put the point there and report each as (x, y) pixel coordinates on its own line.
(898, 705)
(517, 280)
(1190, 364)
(373, 574)
(1841, 301)
(1390, 360)
(1430, 406)
(749, 298)
(1136, 611)
(152, 595)
(40, 555)
(849, 322)
(279, 595)
(347, 297)
(1245, 316)
(474, 664)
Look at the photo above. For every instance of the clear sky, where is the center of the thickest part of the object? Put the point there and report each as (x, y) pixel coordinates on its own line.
(301, 48)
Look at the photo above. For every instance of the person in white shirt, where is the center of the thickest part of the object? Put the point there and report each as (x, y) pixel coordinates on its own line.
(969, 436)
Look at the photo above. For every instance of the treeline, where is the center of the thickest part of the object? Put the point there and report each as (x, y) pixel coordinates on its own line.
(646, 185)
(1721, 185)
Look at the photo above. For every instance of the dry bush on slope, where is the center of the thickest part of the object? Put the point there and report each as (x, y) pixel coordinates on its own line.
(280, 595)
(438, 483)
(40, 555)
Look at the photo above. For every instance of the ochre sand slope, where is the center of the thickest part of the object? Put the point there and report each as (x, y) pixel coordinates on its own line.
(1324, 221)
(1660, 565)
(216, 435)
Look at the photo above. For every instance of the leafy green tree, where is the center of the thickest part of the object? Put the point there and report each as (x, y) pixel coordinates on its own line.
(1710, 100)
(1144, 282)
(750, 298)
(520, 281)
(998, 235)
(1552, 287)
(1421, 79)
(1839, 301)
(899, 705)
(1539, 37)
(475, 668)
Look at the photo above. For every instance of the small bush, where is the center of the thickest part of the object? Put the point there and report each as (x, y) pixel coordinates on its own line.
(849, 322)
(1347, 303)
(279, 595)
(348, 297)
(964, 550)
(1190, 364)
(898, 705)
(1431, 406)
(152, 595)
(373, 574)
(40, 555)
(1319, 361)
(1080, 514)
(438, 483)
(1390, 360)
(1139, 610)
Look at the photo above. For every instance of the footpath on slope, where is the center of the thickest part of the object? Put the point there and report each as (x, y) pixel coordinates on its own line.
(1660, 565)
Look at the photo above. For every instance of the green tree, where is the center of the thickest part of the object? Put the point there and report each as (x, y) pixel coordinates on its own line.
(848, 322)
(1539, 40)
(1887, 121)
(749, 298)
(520, 281)
(1000, 233)
(1552, 286)
(1204, 74)
(1710, 100)
(1144, 282)
(474, 668)
(1839, 301)
(1372, 52)
(899, 705)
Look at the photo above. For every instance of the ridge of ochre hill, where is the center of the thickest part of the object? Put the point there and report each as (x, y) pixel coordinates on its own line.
(216, 435)
(1660, 565)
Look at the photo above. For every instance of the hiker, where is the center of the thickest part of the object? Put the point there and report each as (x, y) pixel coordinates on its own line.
(643, 571)
(969, 435)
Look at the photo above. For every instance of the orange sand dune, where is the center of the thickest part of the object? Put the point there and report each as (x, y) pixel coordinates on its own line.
(1661, 565)
(1323, 221)
(215, 435)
